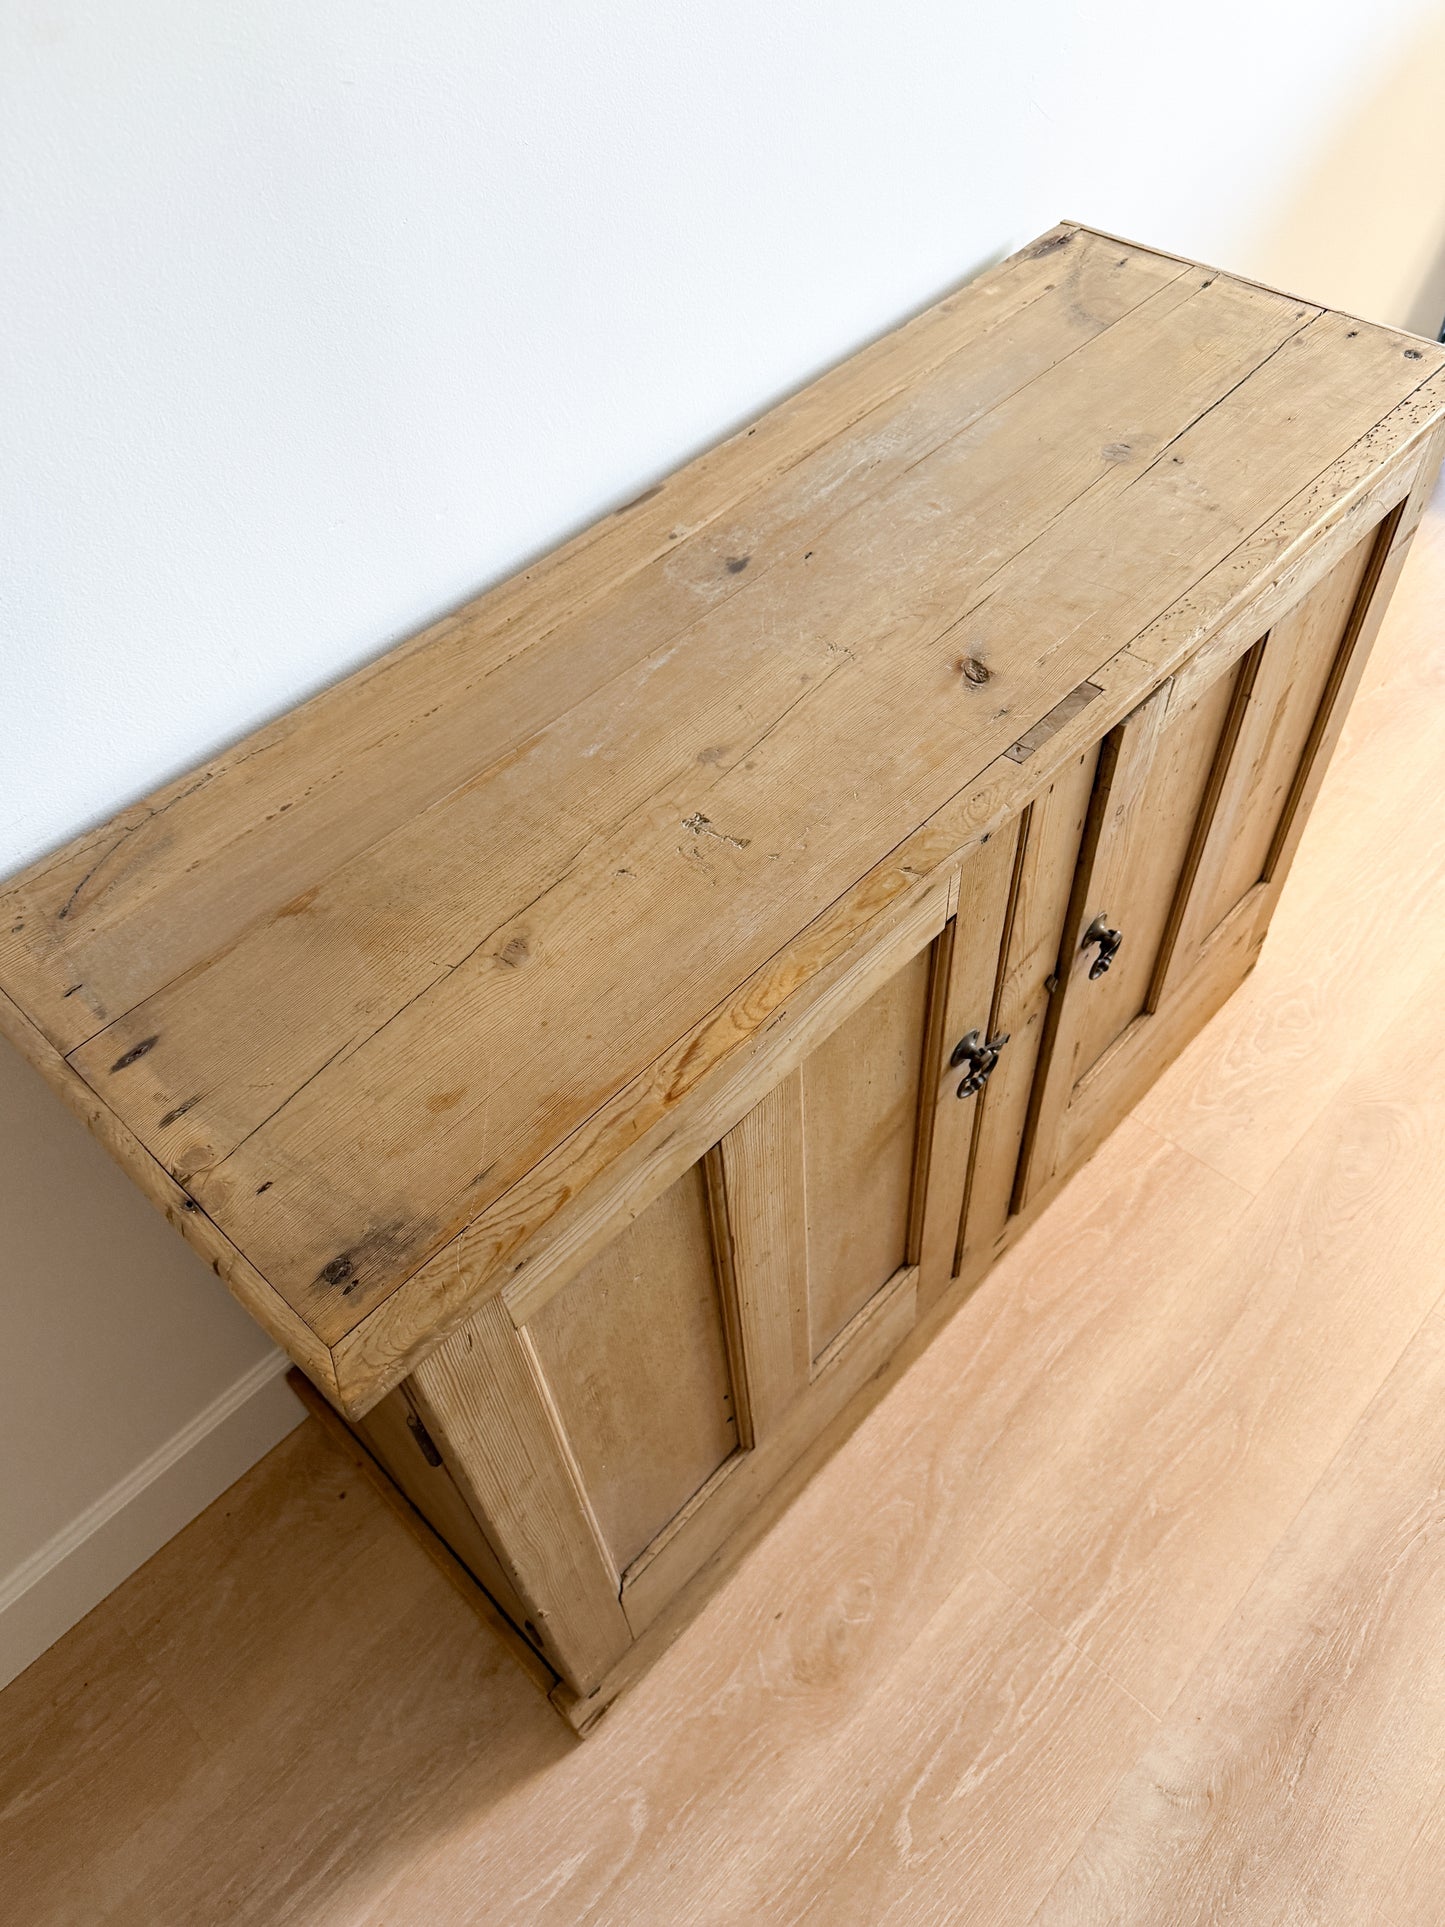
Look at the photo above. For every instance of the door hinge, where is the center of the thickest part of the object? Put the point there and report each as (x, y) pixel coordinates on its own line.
(423, 1439)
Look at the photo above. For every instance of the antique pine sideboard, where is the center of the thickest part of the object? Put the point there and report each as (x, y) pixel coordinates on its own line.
(600, 1039)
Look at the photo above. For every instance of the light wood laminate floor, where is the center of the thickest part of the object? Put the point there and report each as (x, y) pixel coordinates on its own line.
(1126, 1605)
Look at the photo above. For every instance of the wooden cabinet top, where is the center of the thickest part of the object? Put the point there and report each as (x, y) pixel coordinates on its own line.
(366, 1002)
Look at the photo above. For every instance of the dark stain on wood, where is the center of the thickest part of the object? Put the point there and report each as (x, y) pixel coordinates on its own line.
(737, 563)
(1050, 725)
(134, 1054)
(180, 1111)
(375, 1253)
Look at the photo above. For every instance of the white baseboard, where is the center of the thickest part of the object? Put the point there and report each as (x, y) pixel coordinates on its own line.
(56, 1586)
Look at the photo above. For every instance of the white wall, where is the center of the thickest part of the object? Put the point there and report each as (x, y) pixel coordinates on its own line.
(321, 316)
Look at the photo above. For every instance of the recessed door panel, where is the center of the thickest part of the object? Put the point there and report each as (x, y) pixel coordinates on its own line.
(860, 1119)
(635, 1355)
(1151, 829)
(1295, 666)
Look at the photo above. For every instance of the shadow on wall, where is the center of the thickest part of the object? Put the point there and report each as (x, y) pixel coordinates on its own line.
(1427, 316)
(1362, 226)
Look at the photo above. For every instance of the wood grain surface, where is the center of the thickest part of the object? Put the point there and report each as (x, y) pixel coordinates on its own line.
(1126, 1604)
(384, 988)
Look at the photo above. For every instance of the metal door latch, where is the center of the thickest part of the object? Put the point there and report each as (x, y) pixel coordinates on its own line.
(423, 1439)
(980, 1057)
(1108, 941)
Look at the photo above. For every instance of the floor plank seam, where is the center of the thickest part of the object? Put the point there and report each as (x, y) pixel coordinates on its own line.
(1156, 1130)
(1073, 1645)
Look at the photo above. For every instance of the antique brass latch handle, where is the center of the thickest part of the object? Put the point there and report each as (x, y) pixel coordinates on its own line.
(1108, 941)
(980, 1058)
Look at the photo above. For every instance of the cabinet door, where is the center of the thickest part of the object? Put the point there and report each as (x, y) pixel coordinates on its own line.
(1296, 686)
(820, 1196)
(617, 1437)
(1199, 797)
(998, 994)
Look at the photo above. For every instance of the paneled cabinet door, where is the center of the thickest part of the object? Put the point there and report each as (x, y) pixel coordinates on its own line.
(998, 977)
(610, 1443)
(1198, 799)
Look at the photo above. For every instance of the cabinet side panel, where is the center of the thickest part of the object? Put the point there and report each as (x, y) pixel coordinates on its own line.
(860, 1119)
(482, 1397)
(635, 1355)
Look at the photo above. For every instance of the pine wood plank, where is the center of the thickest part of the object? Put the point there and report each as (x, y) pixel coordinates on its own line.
(408, 1467)
(815, 1621)
(633, 1148)
(654, 887)
(788, 1021)
(324, 782)
(1116, 825)
(1143, 865)
(1209, 828)
(1114, 1085)
(857, 1354)
(487, 725)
